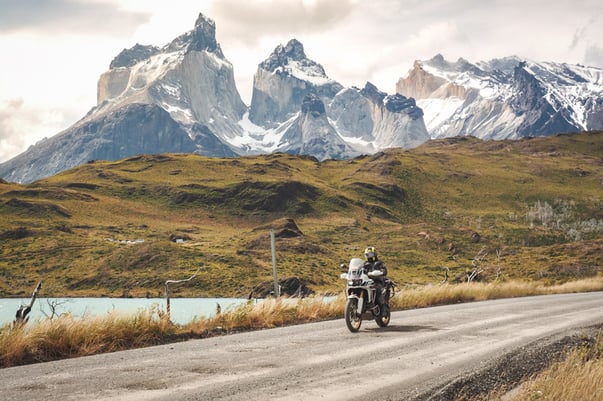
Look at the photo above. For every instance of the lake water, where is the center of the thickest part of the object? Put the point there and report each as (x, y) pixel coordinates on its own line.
(182, 310)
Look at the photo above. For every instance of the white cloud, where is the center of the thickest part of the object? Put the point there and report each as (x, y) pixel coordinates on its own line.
(22, 125)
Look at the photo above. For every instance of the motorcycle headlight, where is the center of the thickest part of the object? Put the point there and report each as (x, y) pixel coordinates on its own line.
(351, 282)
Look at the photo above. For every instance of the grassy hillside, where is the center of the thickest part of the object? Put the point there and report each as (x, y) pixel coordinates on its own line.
(530, 209)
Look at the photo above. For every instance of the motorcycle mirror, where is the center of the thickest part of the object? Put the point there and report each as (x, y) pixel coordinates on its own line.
(344, 267)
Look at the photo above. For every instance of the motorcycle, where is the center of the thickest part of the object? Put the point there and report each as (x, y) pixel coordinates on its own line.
(362, 298)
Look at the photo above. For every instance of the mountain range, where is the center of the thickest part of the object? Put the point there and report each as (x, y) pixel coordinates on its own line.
(182, 98)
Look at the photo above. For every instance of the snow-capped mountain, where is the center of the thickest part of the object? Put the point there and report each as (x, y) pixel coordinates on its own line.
(182, 97)
(178, 98)
(189, 78)
(505, 98)
(343, 122)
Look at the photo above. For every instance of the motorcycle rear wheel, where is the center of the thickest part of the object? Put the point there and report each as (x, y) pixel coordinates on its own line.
(384, 317)
(352, 319)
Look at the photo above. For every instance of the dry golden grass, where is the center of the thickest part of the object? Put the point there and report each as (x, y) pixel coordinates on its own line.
(419, 297)
(271, 313)
(66, 337)
(577, 378)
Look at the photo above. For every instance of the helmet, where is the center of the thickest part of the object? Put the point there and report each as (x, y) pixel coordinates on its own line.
(370, 253)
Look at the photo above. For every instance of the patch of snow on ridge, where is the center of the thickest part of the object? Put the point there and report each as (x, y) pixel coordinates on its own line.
(568, 86)
(312, 74)
(220, 62)
(487, 86)
(437, 111)
(178, 113)
(256, 139)
(151, 69)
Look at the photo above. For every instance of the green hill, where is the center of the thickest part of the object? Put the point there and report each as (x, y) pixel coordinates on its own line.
(529, 209)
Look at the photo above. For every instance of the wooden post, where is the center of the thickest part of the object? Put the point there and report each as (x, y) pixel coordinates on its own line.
(167, 291)
(277, 292)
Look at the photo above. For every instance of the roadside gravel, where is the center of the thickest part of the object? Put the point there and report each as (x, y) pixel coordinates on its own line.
(507, 372)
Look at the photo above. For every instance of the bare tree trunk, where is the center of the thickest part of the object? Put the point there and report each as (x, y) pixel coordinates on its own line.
(21, 316)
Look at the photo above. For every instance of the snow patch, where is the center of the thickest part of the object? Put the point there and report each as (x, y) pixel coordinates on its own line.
(312, 74)
(256, 139)
(437, 111)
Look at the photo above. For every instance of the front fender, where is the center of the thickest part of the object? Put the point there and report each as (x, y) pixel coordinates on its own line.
(359, 301)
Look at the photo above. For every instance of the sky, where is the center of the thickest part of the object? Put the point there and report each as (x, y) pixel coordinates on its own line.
(52, 52)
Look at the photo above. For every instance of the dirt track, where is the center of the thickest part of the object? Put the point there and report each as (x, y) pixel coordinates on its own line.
(425, 354)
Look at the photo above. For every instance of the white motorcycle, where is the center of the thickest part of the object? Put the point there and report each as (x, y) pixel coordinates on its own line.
(362, 298)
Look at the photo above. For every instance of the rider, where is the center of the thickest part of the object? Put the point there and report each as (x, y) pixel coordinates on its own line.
(373, 263)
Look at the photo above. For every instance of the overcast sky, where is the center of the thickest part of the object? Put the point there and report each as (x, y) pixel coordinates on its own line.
(52, 52)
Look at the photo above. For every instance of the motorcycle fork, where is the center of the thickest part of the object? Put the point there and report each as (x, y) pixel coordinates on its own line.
(360, 303)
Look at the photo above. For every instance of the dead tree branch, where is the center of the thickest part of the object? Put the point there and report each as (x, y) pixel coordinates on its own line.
(476, 263)
(53, 305)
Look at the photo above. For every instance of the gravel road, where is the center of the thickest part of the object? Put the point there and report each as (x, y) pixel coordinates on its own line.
(421, 355)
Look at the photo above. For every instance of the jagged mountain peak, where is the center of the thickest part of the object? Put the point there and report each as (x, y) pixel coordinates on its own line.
(439, 64)
(370, 91)
(282, 55)
(188, 87)
(291, 60)
(201, 38)
(281, 82)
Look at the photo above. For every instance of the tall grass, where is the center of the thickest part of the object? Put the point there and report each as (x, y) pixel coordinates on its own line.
(67, 337)
(272, 313)
(424, 296)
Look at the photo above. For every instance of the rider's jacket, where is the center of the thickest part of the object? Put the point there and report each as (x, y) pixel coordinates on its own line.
(377, 265)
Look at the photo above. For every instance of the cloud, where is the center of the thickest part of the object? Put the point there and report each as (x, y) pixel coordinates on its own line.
(22, 124)
(67, 16)
(594, 56)
(248, 21)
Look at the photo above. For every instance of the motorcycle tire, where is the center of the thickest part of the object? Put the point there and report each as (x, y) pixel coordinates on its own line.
(384, 317)
(352, 319)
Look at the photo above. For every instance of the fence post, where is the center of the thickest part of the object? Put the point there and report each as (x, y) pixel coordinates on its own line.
(277, 292)
(167, 291)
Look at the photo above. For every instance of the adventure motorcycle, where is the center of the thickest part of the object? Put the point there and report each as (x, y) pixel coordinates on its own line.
(363, 300)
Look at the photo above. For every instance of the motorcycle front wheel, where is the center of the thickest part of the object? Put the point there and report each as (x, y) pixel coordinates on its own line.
(383, 318)
(353, 319)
